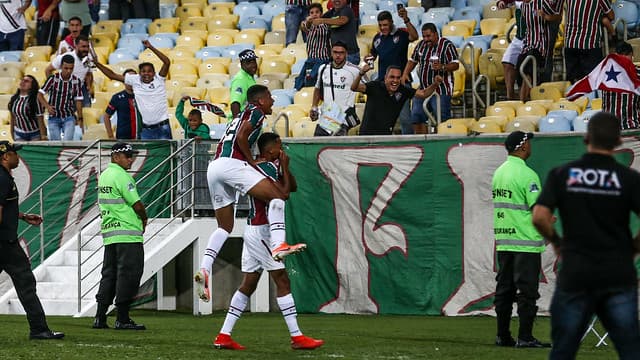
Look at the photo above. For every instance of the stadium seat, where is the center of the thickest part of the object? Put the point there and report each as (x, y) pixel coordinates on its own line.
(438, 19)
(186, 11)
(166, 25)
(264, 52)
(519, 125)
(212, 67)
(456, 30)
(100, 100)
(277, 48)
(162, 41)
(545, 93)
(133, 28)
(275, 37)
(7, 56)
(275, 67)
(499, 42)
(493, 26)
(36, 53)
(465, 56)
(183, 68)
(368, 31)
(470, 23)
(506, 111)
(596, 104)
(627, 10)
(490, 65)
(254, 22)
(120, 55)
(12, 69)
(246, 9)
(36, 69)
(271, 83)
(567, 114)
(281, 98)
(120, 67)
(486, 126)
(190, 42)
(277, 23)
(113, 86)
(552, 123)
(167, 10)
(208, 52)
(469, 12)
(207, 81)
(580, 123)
(179, 55)
(5, 133)
(5, 117)
(8, 85)
(304, 97)
(452, 127)
(91, 116)
(244, 38)
(501, 120)
(104, 40)
(214, 9)
(303, 128)
(491, 10)
(531, 109)
(222, 22)
(449, 11)
(218, 95)
(95, 132)
(192, 91)
(107, 26)
(532, 119)
(194, 23)
(567, 106)
(480, 41)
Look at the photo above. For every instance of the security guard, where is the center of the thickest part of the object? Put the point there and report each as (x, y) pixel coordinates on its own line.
(242, 81)
(13, 260)
(124, 219)
(515, 189)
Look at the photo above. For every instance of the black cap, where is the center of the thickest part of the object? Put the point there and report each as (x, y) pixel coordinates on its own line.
(516, 139)
(123, 148)
(247, 55)
(6, 146)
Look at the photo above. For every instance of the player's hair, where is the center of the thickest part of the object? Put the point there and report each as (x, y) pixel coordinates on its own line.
(430, 26)
(129, 70)
(68, 59)
(385, 15)
(392, 67)
(266, 139)
(142, 65)
(255, 92)
(339, 44)
(74, 18)
(317, 6)
(603, 131)
(196, 112)
(624, 48)
(81, 37)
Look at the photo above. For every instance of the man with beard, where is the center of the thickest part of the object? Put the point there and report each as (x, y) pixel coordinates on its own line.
(81, 67)
(385, 99)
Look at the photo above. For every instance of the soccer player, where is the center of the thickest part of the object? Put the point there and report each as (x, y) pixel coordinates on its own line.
(234, 169)
(256, 257)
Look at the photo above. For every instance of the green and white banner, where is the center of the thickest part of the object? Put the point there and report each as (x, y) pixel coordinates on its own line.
(406, 227)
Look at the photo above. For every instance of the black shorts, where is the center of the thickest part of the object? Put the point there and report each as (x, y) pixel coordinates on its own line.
(528, 70)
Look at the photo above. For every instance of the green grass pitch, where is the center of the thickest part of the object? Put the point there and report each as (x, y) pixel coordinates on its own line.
(174, 335)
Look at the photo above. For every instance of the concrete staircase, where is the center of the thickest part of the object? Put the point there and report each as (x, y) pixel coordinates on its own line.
(57, 277)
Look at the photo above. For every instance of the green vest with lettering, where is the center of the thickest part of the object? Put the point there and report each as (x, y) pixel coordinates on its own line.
(515, 189)
(116, 195)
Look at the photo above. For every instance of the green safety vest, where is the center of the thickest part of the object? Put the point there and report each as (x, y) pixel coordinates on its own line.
(116, 195)
(515, 189)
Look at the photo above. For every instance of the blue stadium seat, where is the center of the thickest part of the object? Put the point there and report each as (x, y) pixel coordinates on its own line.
(458, 4)
(480, 41)
(120, 55)
(297, 67)
(145, 21)
(209, 51)
(259, 4)
(580, 123)
(132, 43)
(458, 41)
(628, 11)
(217, 131)
(167, 10)
(254, 22)
(273, 8)
(245, 10)
(439, 19)
(478, 3)
(568, 114)
(369, 19)
(162, 40)
(552, 123)
(449, 11)
(368, 6)
(469, 12)
(6, 56)
(281, 97)
(133, 28)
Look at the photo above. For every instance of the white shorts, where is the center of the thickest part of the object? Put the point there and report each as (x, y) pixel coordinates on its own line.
(226, 176)
(256, 251)
(513, 52)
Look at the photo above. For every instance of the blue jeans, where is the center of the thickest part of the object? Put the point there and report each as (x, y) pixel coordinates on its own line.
(293, 16)
(12, 41)
(354, 58)
(419, 117)
(24, 136)
(86, 97)
(617, 309)
(156, 133)
(405, 118)
(65, 125)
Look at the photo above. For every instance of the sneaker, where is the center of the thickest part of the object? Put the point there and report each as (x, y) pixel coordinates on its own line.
(224, 341)
(46, 335)
(202, 284)
(505, 341)
(302, 342)
(285, 249)
(535, 343)
(100, 323)
(128, 325)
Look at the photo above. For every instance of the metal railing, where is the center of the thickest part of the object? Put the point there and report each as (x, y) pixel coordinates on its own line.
(473, 74)
(625, 33)
(534, 73)
(425, 107)
(284, 115)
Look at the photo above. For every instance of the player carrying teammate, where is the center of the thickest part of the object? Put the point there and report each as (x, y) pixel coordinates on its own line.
(234, 169)
(256, 255)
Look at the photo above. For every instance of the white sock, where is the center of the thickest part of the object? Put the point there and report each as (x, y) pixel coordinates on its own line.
(276, 222)
(288, 307)
(237, 306)
(216, 240)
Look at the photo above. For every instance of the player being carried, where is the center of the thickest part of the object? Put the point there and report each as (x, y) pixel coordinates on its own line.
(234, 170)
(256, 256)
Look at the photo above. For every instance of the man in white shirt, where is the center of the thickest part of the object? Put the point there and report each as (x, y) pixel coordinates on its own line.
(81, 68)
(333, 87)
(12, 24)
(150, 93)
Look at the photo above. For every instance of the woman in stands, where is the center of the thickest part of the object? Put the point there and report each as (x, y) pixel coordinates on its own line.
(27, 121)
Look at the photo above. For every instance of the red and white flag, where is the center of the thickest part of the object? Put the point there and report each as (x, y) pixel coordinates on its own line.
(615, 73)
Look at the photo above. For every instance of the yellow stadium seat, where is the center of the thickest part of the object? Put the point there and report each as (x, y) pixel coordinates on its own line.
(100, 100)
(201, 3)
(234, 67)
(222, 22)
(512, 103)
(519, 125)
(499, 42)
(98, 81)
(486, 126)
(120, 67)
(531, 109)
(148, 56)
(454, 127)
(491, 10)
(299, 51)
(218, 60)
(547, 103)
(506, 111)
(195, 92)
(567, 105)
(8, 85)
(277, 23)
(532, 119)
(202, 34)
(95, 132)
(304, 97)
(36, 53)
(91, 115)
(259, 32)
(277, 48)
(113, 86)
(36, 69)
(29, 13)
(180, 55)
(219, 40)
(456, 30)
(274, 37)
(562, 86)
(166, 25)
(459, 79)
(218, 95)
(464, 121)
(368, 31)
(212, 68)
(490, 65)
(285, 58)
(5, 133)
(303, 128)
(192, 42)
(5, 117)
(107, 26)
(207, 81)
(194, 23)
(582, 102)
(470, 23)
(187, 11)
(103, 53)
(596, 104)
(176, 84)
(274, 67)
(262, 53)
(104, 40)
(545, 93)
(186, 78)
(465, 55)
(12, 69)
(214, 9)
(493, 26)
(365, 47)
(296, 113)
(270, 82)
(245, 38)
